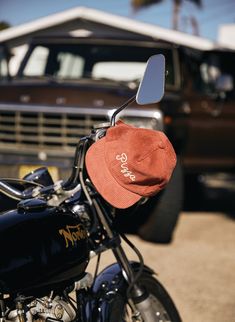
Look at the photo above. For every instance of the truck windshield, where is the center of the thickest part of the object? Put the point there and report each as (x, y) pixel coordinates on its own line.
(92, 61)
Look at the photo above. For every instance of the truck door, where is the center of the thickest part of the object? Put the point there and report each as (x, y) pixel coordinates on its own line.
(210, 106)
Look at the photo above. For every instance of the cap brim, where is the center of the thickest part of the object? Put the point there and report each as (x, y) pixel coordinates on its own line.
(103, 180)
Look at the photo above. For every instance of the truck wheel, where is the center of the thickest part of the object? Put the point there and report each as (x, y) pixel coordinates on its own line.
(163, 210)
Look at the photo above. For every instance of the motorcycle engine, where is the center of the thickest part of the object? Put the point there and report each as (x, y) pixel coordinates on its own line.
(50, 308)
(45, 309)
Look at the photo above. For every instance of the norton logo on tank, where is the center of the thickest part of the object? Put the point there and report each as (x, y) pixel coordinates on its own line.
(73, 233)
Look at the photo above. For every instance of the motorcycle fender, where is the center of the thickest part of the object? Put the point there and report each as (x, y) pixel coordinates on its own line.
(109, 288)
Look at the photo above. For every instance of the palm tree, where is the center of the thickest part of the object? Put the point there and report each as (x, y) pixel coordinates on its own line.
(4, 25)
(139, 4)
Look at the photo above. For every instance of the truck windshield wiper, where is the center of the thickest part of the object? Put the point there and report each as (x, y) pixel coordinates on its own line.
(132, 84)
(47, 77)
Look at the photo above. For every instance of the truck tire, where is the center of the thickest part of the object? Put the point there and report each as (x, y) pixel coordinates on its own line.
(163, 210)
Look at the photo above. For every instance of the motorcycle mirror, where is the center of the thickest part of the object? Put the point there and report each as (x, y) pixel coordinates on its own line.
(151, 88)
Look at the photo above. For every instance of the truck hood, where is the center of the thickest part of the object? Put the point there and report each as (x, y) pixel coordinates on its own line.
(64, 94)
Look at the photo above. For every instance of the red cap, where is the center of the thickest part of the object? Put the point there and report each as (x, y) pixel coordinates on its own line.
(130, 163)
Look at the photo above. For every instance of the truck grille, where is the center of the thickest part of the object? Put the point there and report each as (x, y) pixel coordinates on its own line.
(50, 132)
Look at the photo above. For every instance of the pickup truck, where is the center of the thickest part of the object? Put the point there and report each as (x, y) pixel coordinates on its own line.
(65, 85)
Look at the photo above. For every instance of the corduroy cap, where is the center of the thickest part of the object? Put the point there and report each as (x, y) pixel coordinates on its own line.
(130, 163)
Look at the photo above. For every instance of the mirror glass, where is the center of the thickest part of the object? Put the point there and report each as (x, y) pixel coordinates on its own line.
(151, 88)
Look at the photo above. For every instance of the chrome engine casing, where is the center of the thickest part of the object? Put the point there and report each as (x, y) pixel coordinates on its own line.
(43, 309)
(49, 308)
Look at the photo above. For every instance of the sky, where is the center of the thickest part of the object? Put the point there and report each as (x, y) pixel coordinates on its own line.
(212, 14)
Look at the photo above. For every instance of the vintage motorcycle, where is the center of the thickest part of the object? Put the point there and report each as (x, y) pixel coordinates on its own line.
(56, 228)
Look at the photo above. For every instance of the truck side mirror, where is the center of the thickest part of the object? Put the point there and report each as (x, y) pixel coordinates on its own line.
(151, 88)
(224, 83)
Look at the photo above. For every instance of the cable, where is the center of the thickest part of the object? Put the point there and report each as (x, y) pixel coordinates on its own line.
(141, 262)
(67, 297)
(97, 266)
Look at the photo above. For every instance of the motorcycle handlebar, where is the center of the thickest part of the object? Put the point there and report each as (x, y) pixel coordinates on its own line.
(12, 192)
(70, 185)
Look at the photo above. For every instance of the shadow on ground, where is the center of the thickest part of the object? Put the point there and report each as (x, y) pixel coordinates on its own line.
(201, 198)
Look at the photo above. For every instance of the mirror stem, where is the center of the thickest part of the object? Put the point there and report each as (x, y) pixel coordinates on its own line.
(131, 100)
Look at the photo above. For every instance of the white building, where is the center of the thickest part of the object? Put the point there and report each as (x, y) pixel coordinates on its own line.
(226, 35)
(82, 21)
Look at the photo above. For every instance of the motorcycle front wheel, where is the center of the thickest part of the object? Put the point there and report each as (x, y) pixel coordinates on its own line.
(161, 303)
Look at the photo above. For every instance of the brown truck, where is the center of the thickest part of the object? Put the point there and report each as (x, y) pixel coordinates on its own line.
(65, 85)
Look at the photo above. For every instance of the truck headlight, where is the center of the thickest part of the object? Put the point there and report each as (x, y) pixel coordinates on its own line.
(147, 123)
(147, 119)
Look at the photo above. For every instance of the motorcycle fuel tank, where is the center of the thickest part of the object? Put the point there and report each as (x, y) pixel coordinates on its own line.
(41, 246)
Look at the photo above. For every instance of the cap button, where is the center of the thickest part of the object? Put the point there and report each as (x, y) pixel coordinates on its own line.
(161, 145)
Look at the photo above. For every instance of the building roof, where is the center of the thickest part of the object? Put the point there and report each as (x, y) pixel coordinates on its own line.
(226, 35)
(111, 20)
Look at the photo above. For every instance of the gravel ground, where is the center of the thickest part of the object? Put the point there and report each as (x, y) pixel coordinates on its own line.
(197, 268)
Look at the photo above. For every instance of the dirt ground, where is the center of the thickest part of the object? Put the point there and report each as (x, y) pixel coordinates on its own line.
(197, 268)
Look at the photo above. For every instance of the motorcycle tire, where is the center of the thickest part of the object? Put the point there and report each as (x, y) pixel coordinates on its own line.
(161, 301)
(164, 210)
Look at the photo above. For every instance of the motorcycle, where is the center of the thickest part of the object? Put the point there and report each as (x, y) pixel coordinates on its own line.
(57, 228)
